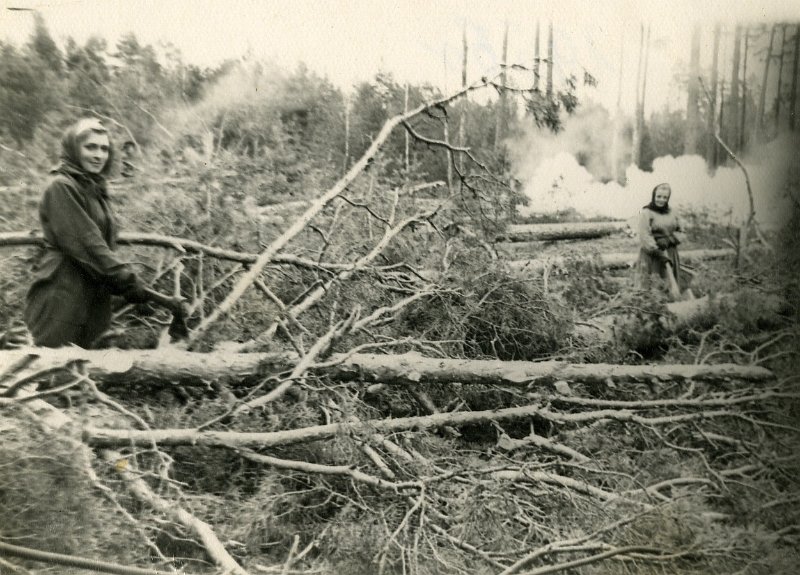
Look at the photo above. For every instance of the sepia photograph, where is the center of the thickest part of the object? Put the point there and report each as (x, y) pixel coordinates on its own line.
(399, 287)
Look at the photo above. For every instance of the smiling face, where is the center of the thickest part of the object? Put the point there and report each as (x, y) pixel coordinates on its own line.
(661, 195)
(94, 150)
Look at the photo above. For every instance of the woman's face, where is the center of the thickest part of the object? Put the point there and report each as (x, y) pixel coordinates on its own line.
(661, 196)
(94, 152)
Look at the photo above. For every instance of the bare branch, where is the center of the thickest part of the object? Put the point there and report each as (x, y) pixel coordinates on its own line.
(316, 206)
(215, 549)
(72, 561)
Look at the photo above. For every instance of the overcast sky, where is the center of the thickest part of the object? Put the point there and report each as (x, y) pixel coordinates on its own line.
(416, 40)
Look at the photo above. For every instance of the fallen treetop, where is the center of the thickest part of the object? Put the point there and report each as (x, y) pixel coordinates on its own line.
(175, 366)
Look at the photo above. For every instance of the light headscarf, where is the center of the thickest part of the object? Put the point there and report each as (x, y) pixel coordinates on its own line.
(71, 142)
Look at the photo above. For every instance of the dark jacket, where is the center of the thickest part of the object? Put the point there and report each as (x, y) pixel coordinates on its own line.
(69, 301)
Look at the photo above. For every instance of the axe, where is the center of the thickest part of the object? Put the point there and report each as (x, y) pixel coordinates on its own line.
(177, 327)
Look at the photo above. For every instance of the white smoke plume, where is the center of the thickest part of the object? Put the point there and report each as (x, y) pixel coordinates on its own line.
(553, 180)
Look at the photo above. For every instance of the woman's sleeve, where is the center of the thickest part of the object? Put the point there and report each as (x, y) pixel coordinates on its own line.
(79, 237)
(646, 239)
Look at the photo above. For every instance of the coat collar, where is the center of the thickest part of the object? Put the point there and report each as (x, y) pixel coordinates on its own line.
(94, 182)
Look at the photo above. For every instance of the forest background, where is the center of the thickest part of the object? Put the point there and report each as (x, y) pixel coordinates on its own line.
(409, 257)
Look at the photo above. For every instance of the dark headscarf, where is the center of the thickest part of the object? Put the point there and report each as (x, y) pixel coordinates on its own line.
(70, 163)
(652, 204)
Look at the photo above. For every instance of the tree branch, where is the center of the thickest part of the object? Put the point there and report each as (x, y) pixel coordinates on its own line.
(215, 549)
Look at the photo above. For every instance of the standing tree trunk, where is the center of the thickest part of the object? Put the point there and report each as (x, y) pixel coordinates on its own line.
(407, 147)
(550, 62)
(778, 95)
(732, 135)
(793, 92)
(762, 98)
(346, 161)
(640, 114)
(692, 111)
(711, 144)
(462, 120)
(617, 116)
(743, 123)
(637, 136)
(448, 154)
(536, 60)
(721, 122)
(499, 132)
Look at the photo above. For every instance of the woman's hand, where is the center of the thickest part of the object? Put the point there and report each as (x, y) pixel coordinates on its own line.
(178, 306)
(663, 242)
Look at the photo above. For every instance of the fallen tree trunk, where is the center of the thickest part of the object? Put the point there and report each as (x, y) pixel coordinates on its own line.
(176, 367)
(63, 560)
(619, 260)
(34, 239)
(110, 437)
(565, 231)
(681, 313)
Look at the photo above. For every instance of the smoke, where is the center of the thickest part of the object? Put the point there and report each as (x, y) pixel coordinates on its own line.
(245, 83)
(555, 180)
(586, 135)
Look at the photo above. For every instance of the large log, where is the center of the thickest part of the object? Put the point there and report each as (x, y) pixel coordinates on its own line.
(602, 329)
(34, 239)
(618, 260)
(179, 367)
(109, 437)
(564, 231)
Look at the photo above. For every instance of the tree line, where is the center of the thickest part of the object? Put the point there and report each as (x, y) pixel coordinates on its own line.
(749, 91)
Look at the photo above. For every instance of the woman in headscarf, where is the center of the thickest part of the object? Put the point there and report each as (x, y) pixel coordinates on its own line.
(659, 236)
(69, 301)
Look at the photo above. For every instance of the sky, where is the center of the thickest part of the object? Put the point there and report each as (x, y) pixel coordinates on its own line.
(416, 40)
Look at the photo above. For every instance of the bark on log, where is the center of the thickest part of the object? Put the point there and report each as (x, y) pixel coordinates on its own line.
(602, 329)
(616, 260)
(108, 437)
(176, 367)
(565, 231)
(34, 239)
(95, 565)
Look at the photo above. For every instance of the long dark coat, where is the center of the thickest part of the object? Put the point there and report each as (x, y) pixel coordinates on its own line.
(69, 301)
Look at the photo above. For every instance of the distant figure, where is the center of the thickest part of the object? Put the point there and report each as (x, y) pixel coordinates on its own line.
(69, 301)
(659, 236)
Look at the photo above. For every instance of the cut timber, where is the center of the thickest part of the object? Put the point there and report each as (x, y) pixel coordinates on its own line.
(110, 437)
(413, 368)
(172, 366)
(565, 231)
(603, 328)
(618, 260)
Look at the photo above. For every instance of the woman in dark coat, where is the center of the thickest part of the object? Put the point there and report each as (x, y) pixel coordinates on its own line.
(69, 301)
(659, 236)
